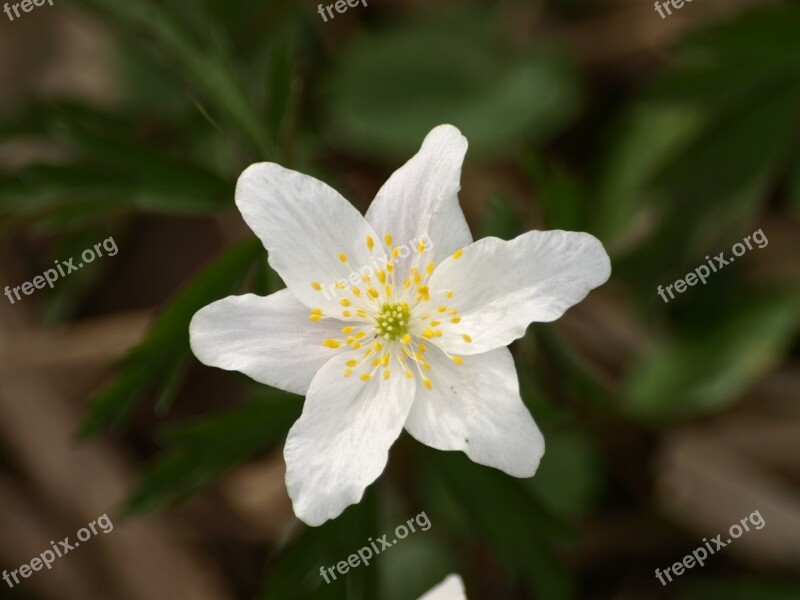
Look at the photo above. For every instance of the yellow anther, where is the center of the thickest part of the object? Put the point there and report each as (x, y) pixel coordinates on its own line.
(351, 363)
(421, 246)
(365, 377)
(455, 320)
(426, 366)
(385, 359)
(427, 383)
(316, 311)
(422, 348)
(342, 257)
(388, 290)
(373, 292)
(341, 285)
(356, 292)
(439, 333)
(376, 362)
(356, 346)
(381, 275)
(428, 333)
(315, 318)
(389, 267)
(332, 344)
(348, 372)
(409, 374)
(435, 323)
(452, 311)
(442, 309)
(458, 360)
(396, 252)
(406, 283)
(457, 254)
(360, 335)
(388, 239)
(405, 306)
(466, 338)
(348, 329)
(417, 278)
(316, 285)
(406, 339)
(449, 294)
(386, 374)
(346, 313)
(429, 268)
(425, 317)
(361, 312)
(344, 302)
(370, 242)
(377, 346)
(419, 356)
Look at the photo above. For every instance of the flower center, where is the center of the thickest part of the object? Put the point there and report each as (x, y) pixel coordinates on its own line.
(377, 314)
(392, 320)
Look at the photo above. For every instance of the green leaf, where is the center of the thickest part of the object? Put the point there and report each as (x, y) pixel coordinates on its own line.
(740, 589)
(199, 452)
(516, 527)
(294, 574)
(153, 361)
(205, 68)
(708, 370)
(446, 70)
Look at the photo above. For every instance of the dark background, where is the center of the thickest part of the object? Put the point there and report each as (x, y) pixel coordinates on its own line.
(669, 139)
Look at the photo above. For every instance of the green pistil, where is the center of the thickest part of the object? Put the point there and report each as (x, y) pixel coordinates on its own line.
(392, 321)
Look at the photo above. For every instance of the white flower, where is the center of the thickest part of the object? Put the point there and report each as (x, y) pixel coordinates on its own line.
(392, 343)
(452, 588)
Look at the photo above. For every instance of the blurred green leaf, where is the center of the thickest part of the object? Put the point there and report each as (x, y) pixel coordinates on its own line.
(740, 589)
(707, 370)
(199, 452)
(207, 69)
(153, 361)
(389, 90)
(294, 574)
(517, 529)
(568, 451)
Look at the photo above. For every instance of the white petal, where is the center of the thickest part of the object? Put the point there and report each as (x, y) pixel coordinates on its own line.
(305, 225)
(476, 408)
(420, 199)
(341, 443)
(501, 287)
(452, 588)
(268, 338)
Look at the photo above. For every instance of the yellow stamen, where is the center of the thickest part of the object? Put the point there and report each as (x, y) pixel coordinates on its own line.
(348, 329)
(458, 360)
(388, 239)
(332, 344)
(466, 338)
(343, 257)
(427, 383)
(365, 377)
(316, 285)
(457, 254)
(344, 302)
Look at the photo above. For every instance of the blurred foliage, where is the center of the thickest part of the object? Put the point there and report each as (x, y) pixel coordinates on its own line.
(686, 165)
